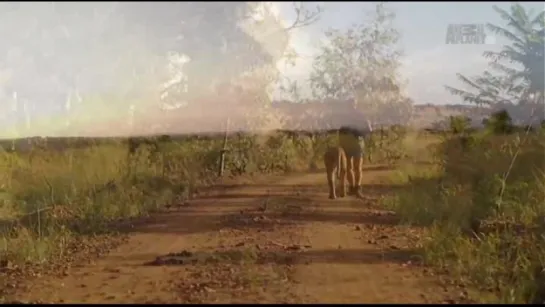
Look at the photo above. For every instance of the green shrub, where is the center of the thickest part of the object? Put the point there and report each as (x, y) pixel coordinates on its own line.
(459, 124)
(484, 202)
(499, 122)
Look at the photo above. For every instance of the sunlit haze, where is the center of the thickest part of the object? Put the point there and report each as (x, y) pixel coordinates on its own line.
(106, 75)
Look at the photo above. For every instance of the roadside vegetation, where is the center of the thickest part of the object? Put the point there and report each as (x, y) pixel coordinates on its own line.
(483, 195)
(479, 191)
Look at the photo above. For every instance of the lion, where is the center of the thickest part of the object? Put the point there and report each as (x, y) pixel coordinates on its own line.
(335, 162)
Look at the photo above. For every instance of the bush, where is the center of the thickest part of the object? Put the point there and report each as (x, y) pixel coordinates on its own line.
(484, 201)
(459, 124)
(499, 123)
(387, 145)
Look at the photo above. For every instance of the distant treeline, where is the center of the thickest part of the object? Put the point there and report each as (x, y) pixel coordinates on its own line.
(60, 143)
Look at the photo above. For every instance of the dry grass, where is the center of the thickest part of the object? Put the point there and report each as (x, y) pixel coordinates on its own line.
(482, 198)
(49, 197)
(53, 192)
(484, 213)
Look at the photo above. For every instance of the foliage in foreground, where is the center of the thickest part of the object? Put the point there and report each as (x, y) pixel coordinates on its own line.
(483, 199)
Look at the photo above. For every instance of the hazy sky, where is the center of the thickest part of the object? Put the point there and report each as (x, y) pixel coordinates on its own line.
(119, 57)
(429, 62)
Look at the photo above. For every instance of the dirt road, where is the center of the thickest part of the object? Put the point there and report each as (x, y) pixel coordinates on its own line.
(276, 241)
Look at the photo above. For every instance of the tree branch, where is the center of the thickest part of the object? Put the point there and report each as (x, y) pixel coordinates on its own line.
(304, 17)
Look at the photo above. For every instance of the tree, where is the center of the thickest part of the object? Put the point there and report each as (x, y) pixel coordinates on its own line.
(361, 64)
(129, 46)
(231, 47)
(499, 122)
(516, 76)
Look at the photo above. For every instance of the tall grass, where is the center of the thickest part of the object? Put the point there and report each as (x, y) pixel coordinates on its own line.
(484, 201)
(56, 191)
(51, 194)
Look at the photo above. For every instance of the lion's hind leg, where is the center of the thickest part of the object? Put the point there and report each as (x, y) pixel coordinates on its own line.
(331, 168)
(331, 184)
(342, 173)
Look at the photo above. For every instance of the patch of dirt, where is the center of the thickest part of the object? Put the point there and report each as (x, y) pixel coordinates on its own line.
(272, 240)
(16, 278)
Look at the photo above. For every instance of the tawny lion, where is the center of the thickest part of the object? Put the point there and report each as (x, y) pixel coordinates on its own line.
(335, 162)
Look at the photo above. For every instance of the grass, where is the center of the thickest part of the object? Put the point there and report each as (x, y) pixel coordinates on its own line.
(482, 197)
(59, 191)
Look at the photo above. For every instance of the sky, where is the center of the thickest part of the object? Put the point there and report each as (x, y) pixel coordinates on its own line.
(429, 63)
